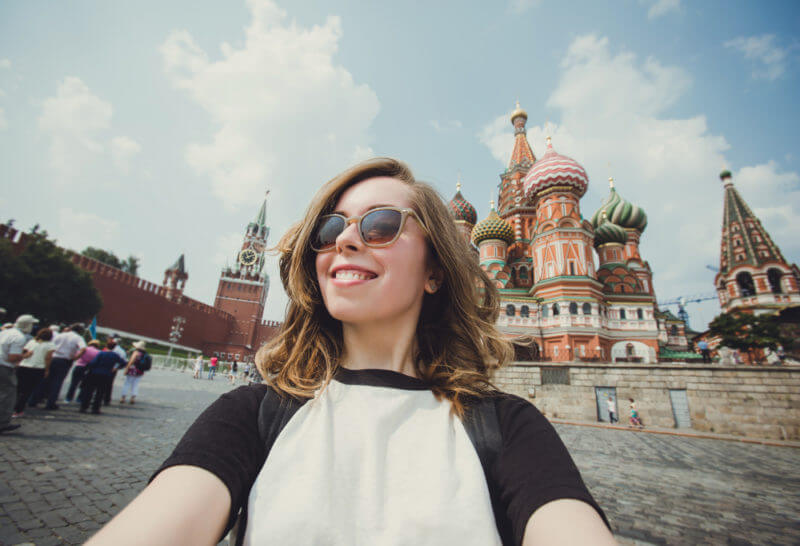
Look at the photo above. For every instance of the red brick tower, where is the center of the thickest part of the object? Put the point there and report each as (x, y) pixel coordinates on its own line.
(175, 280)
(512, 205)
(464, 213)
(753, 274)
(243, 288)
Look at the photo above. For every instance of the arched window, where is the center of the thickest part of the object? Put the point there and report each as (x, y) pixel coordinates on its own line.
(573, 308)
(545, 311)
(629, 350)
(774, 278)
(746, 285)
(510, 310)
(524, 311)
(639, 314)
(587, 309)
(622, 314)
(556, 310)
(673, 330)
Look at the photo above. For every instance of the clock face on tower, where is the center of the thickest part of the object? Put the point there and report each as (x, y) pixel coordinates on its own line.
(247, 256)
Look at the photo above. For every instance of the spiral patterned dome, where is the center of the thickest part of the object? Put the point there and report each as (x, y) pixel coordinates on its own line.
(462, 210)
(620, 212)
(493, 227)
(608, 232)
(554, 169)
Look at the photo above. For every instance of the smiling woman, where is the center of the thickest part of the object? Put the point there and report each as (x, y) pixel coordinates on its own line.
(377, 422)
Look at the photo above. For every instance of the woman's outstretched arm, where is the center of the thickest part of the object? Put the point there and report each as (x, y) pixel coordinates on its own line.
(567, 522)
(182, 505)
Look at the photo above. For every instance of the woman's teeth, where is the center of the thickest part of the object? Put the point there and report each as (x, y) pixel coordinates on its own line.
(353, 275)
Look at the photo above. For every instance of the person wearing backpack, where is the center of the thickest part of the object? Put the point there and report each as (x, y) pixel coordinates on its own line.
(139, 363)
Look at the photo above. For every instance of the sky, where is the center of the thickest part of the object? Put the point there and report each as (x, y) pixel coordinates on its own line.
(154, 129)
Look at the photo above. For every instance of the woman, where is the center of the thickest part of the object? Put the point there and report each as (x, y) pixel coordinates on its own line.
(79, 369)
(137, 365)
(635, 421)
(375, 382)
(198, 366)
(33, 369)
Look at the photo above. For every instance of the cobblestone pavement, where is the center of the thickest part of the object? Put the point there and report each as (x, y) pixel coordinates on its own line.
(64, 474)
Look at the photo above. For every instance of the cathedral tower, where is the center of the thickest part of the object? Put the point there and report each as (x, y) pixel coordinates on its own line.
(753, 274)
(464, 213)
(492, 236)
(242, 289)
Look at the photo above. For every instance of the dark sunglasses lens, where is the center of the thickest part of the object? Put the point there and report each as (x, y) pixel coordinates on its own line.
(380, 226)
(328, 229)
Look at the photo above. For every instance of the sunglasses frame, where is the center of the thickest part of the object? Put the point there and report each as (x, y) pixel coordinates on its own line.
(404, 213)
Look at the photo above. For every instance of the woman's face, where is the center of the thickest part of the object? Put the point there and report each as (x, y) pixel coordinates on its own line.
(361, 284)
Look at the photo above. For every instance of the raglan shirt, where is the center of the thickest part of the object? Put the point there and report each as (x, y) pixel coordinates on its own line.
(375, 458)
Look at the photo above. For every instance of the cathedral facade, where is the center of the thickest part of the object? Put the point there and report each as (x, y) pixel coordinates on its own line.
(539, 250)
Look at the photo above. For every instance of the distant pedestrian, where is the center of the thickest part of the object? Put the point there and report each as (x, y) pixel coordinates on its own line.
(233, 372)
(79, 369)
(198, 366)
(612, 410)
(33, 369)
(69, 346)
(781, 352)
(139, 363)
(97, 380)
(635, 420)
(704, 350)
(124, 356)
(12, 351)
(212, 367)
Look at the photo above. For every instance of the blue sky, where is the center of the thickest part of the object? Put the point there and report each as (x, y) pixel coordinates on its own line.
(154, 128)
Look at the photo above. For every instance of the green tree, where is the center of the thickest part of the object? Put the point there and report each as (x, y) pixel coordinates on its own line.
(43, 281)
(131, 265)
(748, 332)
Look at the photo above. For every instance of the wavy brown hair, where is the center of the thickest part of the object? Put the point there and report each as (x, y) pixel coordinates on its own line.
(457, 344)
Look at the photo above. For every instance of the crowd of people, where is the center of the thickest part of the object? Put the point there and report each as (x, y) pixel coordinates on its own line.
(246, 373)
(36, 360)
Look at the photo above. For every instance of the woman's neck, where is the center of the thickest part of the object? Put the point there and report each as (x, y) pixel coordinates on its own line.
(385, 345)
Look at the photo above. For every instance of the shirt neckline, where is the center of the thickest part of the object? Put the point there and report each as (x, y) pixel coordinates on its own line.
(380, 378)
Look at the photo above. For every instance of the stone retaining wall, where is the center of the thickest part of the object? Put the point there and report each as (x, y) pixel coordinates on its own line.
(760, 402)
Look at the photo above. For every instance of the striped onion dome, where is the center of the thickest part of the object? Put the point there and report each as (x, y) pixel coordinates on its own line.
(462, 210)
(609, 232)
(493, 227)
(554, 169)
(620, 212)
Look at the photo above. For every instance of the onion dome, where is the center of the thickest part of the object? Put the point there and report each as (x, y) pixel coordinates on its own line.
(725, 175)
(518, 113)
(620, 212)
(609, 232)
(554, 169)
(461, 209)
(493, 227)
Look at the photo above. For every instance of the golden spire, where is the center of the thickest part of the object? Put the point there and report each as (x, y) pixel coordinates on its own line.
(611, 182)
(491, 204)
(518, 112)
(458, 182)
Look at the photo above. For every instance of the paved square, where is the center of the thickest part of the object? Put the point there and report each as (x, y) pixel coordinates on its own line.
(64, 474)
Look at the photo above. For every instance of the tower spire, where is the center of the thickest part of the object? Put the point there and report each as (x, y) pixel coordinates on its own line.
(521, 155)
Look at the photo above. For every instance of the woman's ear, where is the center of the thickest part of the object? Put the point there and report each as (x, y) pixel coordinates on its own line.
(434, 281)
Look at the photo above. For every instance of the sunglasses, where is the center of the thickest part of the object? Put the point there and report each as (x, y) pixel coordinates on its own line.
(378, 228)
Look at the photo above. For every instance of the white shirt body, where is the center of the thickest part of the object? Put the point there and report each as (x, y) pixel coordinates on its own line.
(67, 345)
(12, 342)
(39, 350)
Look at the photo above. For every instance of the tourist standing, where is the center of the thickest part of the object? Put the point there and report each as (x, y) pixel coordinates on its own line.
(233, 372)
(33, 369)
(139, 363)
(97, 380)
(704, 350)
(124, 356)
(69, 346)
(612, 410)
(212, 367)
(79, 369)
(198, 366)
(12, 351)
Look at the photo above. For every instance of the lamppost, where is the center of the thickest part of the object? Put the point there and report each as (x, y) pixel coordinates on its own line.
(175, 333)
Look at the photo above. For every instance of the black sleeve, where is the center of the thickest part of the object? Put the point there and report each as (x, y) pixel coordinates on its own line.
(225, 441)
(534, 467)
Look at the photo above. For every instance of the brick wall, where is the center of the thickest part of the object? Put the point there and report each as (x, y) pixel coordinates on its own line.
(761, 402)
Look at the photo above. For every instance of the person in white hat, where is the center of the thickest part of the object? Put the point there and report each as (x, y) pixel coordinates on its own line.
(139, 363)
(12, 351)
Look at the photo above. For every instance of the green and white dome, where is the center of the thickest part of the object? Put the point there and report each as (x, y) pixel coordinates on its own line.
(620, 212)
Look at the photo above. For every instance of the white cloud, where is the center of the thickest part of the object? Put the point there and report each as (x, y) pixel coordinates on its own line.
(77, 123)
(769, 59)
(287, 115)
(5, 64)
(78, 229)
(520, 6)
(663, 7)
(123, 150)
(445, 126)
